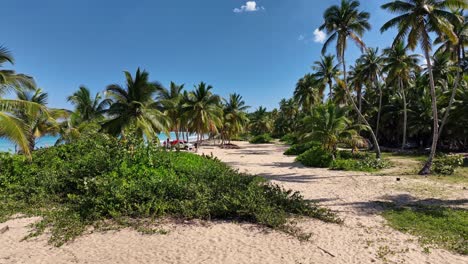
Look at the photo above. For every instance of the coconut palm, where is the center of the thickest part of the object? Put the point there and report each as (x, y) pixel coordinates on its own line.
(11, 127)
(398, 65)
(9, 80)
(326, 71)
(171, 102)
(88, 108)
(260, 121)
(235, 118)
(307, 92)
(342, 22)
(203, 110)
(371, 72)
(329, 124)
(38, 123)
(133, 108)
(415, 20)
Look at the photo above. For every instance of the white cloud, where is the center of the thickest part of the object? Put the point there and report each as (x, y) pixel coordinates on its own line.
(301, 37)
(319, 36)
(250, 6)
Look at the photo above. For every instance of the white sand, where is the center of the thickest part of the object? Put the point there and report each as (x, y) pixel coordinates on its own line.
(363, 238)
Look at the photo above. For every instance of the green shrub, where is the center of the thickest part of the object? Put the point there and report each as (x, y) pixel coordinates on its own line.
(298, 149)
(100, 178)
(447, 164)
(367, 164)
(358, 155)
(261, 139)
(315, 157)
(289, 139)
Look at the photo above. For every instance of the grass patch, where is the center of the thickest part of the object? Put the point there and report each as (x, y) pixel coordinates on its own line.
(101, 179)
(440, 226)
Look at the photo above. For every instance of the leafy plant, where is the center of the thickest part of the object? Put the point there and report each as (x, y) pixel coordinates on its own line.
(261, 139)
(315, 157)
(298, 149)
(446, 164)
(99, 178)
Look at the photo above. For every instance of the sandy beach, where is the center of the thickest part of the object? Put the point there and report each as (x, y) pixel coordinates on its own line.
(363, 238)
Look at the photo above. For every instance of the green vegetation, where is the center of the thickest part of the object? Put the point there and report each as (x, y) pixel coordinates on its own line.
(441, 226)
(368, 164)
(261, 139)
(300, 148)
(98, 178)
(315, 157)
(447, 164)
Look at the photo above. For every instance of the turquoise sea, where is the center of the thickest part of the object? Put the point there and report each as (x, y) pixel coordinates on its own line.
(47, 141)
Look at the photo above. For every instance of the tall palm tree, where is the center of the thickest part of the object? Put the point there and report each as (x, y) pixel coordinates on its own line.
(457, 52)
(88, 108)
(371, 72)
(204, 110)
(171, 102)
(343, 22)
(235, 118)
(399, 65)
(415, 20)
(326, 71)
(307, 92)
(133, 108)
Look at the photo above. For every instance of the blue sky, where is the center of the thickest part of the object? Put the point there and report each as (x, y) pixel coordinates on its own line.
(256, 49)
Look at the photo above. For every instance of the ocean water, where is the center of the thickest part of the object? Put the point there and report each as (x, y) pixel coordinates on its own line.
(47, 141)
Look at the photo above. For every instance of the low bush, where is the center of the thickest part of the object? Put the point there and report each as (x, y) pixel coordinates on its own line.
(99, 178)
(357, 155)
(261, 139)
(447, 164)
(290, 139)
(298, 149)
(315, 157)
(368, 164)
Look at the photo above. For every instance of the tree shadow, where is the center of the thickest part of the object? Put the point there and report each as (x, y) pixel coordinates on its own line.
(404, 200)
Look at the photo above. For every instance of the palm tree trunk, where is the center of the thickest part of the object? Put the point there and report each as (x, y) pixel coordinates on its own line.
(379, 113)
(374, 138)
(426, 169)
(330, 95)
(405, 112)
(452, 96)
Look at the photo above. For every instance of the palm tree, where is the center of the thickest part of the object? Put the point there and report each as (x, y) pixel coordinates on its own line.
(171, 102)
(11, 127)
(415, 20)
(87, 108)
(307, 92)
(326, 71)
(343, 22)
(38, 123)
(235, 118)
(398, 66)
(371, 71)
(133, 108)
(457, 52)
(260, 121)
(204, 110)
(329, 125)
(8, 78)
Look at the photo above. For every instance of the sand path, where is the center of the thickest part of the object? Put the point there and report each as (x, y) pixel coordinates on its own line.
(363, 238)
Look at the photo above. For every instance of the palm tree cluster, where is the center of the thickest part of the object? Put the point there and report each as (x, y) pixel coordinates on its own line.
(140, 108)
(393, 97)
